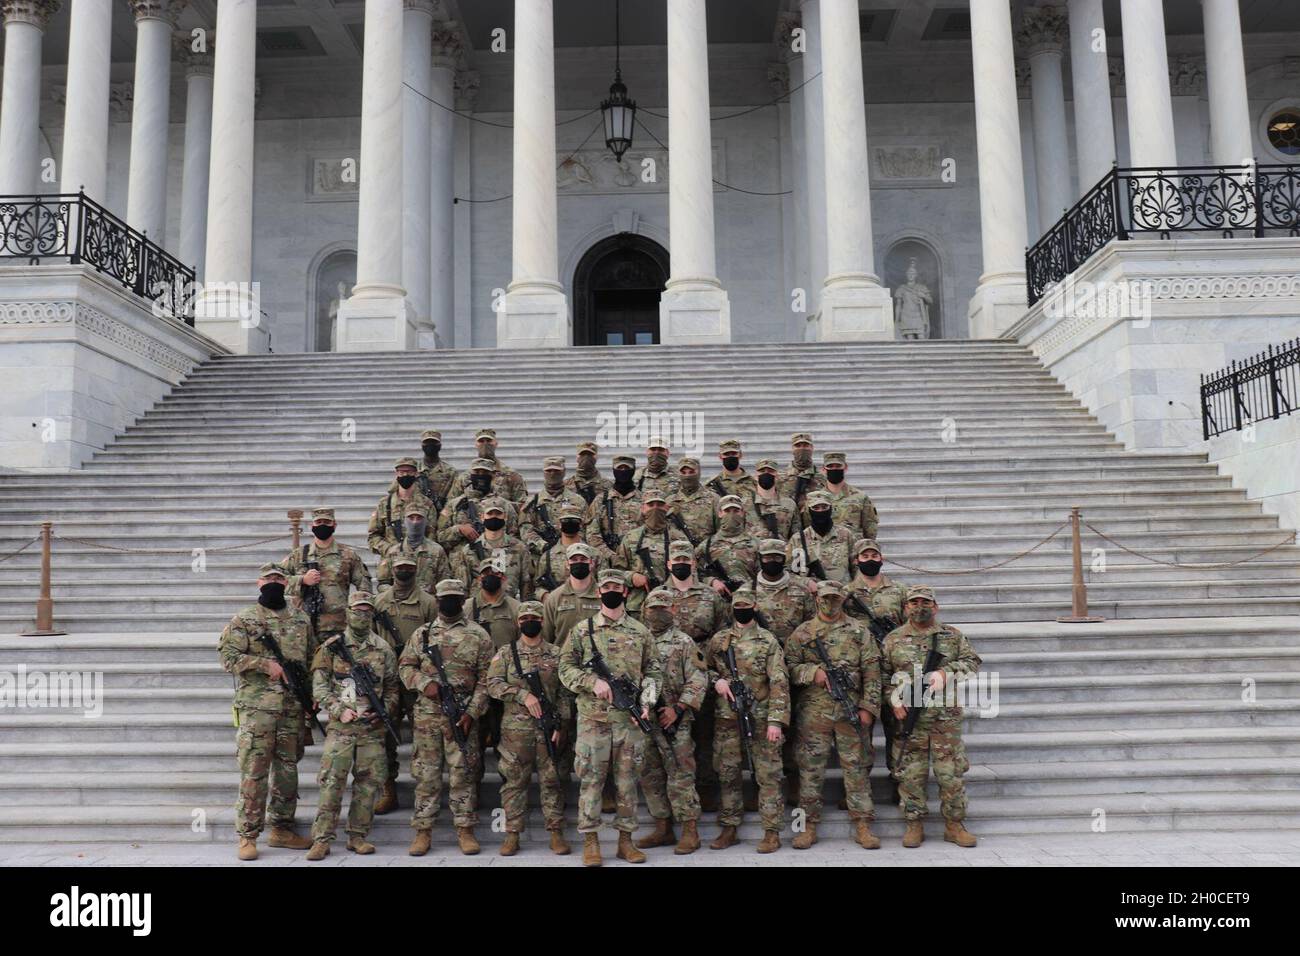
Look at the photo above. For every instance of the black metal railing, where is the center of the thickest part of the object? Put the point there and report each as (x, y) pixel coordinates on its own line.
(1266, 386)
(75, 228)
(1254, 200)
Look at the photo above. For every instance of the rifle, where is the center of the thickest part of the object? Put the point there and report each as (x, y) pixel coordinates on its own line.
(546, 579)
(643, 553)
(742, 704)
(471, 511)
(608, 535)
(549, 722)
(839, 685)
(399, 529)
(588, 491)
(879, 629)
(426, 488)
(547, 530)
(295, 675)
(933, 661)
(364, 679)
(716, 484)
(313, 602)
(714, 567)
(676, 519)
(769, 520)
(448, 700)
(814, 566)
(627, 695)
(385, 620)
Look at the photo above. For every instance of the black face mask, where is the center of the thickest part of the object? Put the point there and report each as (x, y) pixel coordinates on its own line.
(481, 483)
(405, 576)
(406, 480)
(767, 481)
(622, 478)
(322, 531)
(731, 462)
(612, 599)
(834, 475)
(494, 524)
(681, 571)
(450, 606)
(580, 570)
(272, 595)
(821, 520)
(773, 569)
(870, 568)
(491, 583)
(570, 525)
(743, 615)
(530, 628)
(431, 450)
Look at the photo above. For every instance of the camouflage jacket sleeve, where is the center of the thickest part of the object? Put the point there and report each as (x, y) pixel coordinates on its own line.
(622, 558)
(360, 576)
(870, 517)
(236, 648)
(293, 566)
(526, 573)
(966, 662)
(802, 669)
(715, 668)
(778, 684)
(696, 677)
(377, 529)
(869, 670)
(652, 677)
(576, 678)
(391, 691)
(408, 665)
(499, 684)
(324, 690)
(478, 701)
(887, 664)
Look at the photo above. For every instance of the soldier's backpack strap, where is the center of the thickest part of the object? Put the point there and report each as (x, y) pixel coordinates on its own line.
(514, 652)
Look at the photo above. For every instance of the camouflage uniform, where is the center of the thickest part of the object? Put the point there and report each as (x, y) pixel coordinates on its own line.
(387, 522)
(410, 608)
(822, 722)
(834, 549)
(633, 551)
(696, 509)
(523, 748)
(741, 483)
(466, 654)
(770, 517)
(506, 553)
(735, 550)
(268, 715)
(358, 745)
(561, 610)
(500, 619)
(657, 477)
(431, 564)
(798, 479)
(458, 512)
(436, 477)
(761, 666)
(533, 527)
(626, 516)
(506, 482)
(937, 734)
(552, 566)
(669, 787)
(608, 739)
(341, 568)
(851, 507)
(784, 603)
(588, 485)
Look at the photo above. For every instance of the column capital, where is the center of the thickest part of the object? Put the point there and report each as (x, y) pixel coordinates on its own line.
(1022, 78)
(778, 78)
(1187, 75)
(782, 35)
(35, 12)
(430, 7)
(1043, 30)
(448, 43)
(466, 86)
(196, 63)
(168, 11)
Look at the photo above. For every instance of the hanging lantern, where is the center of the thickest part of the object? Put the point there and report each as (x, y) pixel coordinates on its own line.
(618, 111)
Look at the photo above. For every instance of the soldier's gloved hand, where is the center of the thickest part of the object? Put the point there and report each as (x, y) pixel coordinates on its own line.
(774, 734)
(431, 691)
(723, 687)
(821, 680)
(602, 691)
(534, 706)
(273, 670)
(311, 578)
(348, 716)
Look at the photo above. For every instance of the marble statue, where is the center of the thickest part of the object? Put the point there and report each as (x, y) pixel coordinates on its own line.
(912, 301)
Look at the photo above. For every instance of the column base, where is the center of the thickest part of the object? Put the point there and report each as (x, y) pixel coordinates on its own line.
(231, 314)
(379, 324)
(694, 313)
(534, 317)
(998, 303)
(855, 311)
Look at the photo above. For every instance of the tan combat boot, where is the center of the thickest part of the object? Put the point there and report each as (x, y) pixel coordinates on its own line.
(358, 844)
(387, 801)
(247, 848)
(771, 842)
(806, 839)
(866, 839)
(591, 850)
(559, 845)
(510, 845)
(420, 845)
(954, 831)
(319, 850)
(727, 837)
(287, 839)
(468, 844)
(662, 835)
(915, 834)
(690, 841)
(627, 849)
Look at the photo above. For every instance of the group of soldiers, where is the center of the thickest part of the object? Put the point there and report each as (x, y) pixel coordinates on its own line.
(651, 631)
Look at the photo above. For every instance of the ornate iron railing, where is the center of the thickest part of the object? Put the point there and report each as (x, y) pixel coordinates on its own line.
(1254, 200)
(75, 228)
(1266, 386)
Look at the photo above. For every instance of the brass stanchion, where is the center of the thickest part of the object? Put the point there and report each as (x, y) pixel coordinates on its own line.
(45, 603)
(1079, 592)
(295, 524)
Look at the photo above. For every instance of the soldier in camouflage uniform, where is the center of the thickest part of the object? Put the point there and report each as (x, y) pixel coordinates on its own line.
(827, 542)
(644, 550)
(575, 600)
(768, 513)
(506, 482)
(408, 607)
(692, 509)
(759, 664)
(508, 554)
(608, 739)
(937, 735)
(354, 738)
(730, 557)
(271, 721)
(668, 782)
(616, 512)
(801, 477)
(431, 561)
(456, 524)
(587, 480)
(732, 480)
(466, 653)
(539, 518)
(851, 507)
(523, 747)
(338, 569)
(655, 475)
(822, 723)
(436, 476)
(552, 567)
(497, 612)
(878, 602)
(387, 527)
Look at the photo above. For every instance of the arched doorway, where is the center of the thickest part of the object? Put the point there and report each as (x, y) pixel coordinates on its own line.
(616, 289)
(918, 301)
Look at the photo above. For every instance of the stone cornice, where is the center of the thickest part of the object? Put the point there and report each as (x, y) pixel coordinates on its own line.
(1187, 75)
(431, 7)
(80, 317)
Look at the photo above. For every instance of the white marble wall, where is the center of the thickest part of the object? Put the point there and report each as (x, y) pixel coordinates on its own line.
(1265, 465)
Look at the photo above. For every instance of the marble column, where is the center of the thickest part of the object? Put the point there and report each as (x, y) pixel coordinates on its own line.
(1001, 298)
(1042, 36)
(417, 31)
(535, 312)
(20, 100)
(445, 53)
(378, 315)
(146, 193)
(1231, 142)
(85, 117)
(467, 85)
(1094, 121)
(798, 232)
(198, 143)
(694, 307)
(1146, 76)
(815, 158)
(228, 309)
(854, 305)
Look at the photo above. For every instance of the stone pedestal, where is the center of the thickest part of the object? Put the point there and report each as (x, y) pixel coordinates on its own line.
(997, 305)
(377, 324)
(534, 316)
(694, 313)
(855, 310)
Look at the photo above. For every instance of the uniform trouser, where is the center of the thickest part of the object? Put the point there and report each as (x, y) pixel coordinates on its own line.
(269, 748)
(935, 740)
(889, 724)
(669, 783)
(818, 730)
(489, 732)
(404, 710)
(613, 747)
(435, 747)
(362, 754)
(730, 758)
(706, 774)
(523, 750)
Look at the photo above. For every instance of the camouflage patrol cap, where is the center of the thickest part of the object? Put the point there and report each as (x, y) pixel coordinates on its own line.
(322, 514)
(830, 589)
(651, 495)
(800, 438)
(767, 464)
(570, 510)
(530, 609)
(273, 567)
(493, 503)
(405, 561)
(657, 441)
(834, 458)
(818, 498)
(430, 434)
(689, 463)
(658, 599)
(482, 464)
(360, 598)
(553, 463)
(920, 591)
(728, 444)
(487, 564)
(413, 512)
(612, 576)
(771, 546)
(744, 597)
(579, 550)
(483, 433)
(588, 447)
(450, 587)
(730, 501)
(681, 549)
(624, 460)
(406, 463)
(862, 544)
